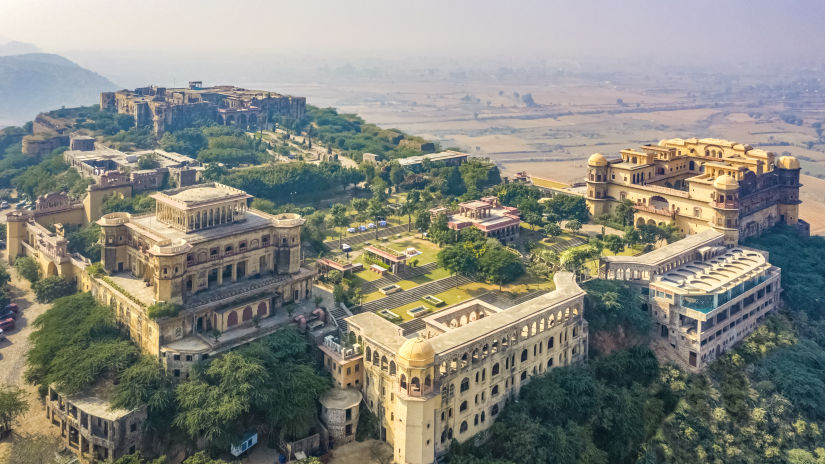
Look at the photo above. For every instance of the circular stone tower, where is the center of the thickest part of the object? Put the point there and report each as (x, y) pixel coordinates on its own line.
(339, 411)
(596, 199)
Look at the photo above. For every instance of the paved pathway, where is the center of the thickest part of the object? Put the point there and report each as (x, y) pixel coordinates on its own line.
(13, 362)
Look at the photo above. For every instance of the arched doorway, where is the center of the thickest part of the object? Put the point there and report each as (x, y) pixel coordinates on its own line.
(659, 202)
(247, 313)
(640, 222)
(51, 270)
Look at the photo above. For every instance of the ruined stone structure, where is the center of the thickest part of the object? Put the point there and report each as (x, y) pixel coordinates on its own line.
(173, 108)
(451, 380)
(107, 166)
(704, 296)
(43, 143)
(91, 429)
(699, 184)
(339, 412)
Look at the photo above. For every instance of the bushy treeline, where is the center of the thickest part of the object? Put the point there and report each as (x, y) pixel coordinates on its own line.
(348, 132)
(282, 183)
(271, 384)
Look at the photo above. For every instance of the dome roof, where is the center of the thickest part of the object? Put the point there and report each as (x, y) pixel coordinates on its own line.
(725, 182)
(417, 352)
(787, 162)
(597, 159)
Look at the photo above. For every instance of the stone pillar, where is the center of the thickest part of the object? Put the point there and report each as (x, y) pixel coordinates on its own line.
(234, 271)
(220, 276)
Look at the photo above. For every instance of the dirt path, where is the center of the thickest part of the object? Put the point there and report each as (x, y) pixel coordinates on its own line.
(13, 362)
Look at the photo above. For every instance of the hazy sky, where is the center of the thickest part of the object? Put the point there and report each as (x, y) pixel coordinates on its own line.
(384, 28)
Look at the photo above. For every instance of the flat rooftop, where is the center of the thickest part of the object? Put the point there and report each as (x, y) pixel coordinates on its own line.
(441, 156)
(96, 402)
(661, 255)
(150, 226)
(200, 195)
(716, 274)
(389, 335)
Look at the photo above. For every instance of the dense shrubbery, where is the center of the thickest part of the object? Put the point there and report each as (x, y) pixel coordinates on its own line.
(76, 343)
(471, 254)
(137, 204)
(52, 287)
(612, 304)
(84, 240)
(162, 309)
(283, 182)
(28, 268)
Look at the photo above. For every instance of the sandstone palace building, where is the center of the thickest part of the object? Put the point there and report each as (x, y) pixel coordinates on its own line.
(174, 108)
(222, 265)
(699, 184)
(452, 379)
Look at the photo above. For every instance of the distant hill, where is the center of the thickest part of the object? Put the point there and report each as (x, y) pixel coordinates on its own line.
(35, 82)
(14, 47)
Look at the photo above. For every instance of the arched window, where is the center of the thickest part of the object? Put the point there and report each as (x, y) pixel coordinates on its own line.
(495, 369)
(428, 381)
(463, 406)
(261, 309)
(523, 375)
(392, 367)
(463, 427)
(375, 357)
(443, 436)
(232, 320)
(523, 355)
(415, 384)
(403, 382)
(494, 410)
(477, 374)
(247, 313)
(482, 417)
(369, 353)
(475, 420)
(550, 343)
(384, 365)
(465, 385)
(494, 390)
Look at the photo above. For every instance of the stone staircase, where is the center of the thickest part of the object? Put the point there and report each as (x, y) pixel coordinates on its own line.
(338, 314)
(406, 273)
(414, 294)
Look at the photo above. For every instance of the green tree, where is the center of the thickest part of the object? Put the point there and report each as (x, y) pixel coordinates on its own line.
(552, 229)
(497, 265)
(27, 268)
(201, 457)
(422, 220)
(338, 212)
(13, 404)
(146, 383)
(574, 225)
(458, 259)
(51, 288)
(614, 243)
(624, 213)
(148, 161)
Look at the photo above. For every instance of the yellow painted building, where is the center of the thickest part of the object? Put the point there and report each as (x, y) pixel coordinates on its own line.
(699, 184)
(226, 267)
(454, 377)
